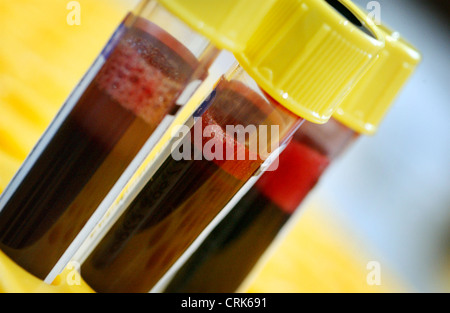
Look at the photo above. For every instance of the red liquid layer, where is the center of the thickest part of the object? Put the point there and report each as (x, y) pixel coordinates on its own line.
(177, 204)
(119, 110)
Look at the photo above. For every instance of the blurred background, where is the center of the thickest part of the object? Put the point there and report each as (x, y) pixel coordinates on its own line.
(386, 200)
(392, 191)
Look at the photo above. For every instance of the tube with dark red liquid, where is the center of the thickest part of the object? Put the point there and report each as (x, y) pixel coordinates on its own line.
(184, 196)
(227, 256)
(108, 122)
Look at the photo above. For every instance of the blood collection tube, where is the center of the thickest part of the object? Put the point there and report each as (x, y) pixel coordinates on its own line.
(284, 76)
(230, 256)
(151, 64)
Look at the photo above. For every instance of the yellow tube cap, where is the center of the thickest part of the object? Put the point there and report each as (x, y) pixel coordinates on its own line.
(303, 53)
(307, 55)
(371, 98)
(228, 24)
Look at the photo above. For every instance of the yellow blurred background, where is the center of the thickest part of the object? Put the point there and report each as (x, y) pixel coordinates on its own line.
(42, 58)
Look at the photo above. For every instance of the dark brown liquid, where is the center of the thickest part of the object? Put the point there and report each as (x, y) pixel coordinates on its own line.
(119, 110)
(174, 207)
(231, 251)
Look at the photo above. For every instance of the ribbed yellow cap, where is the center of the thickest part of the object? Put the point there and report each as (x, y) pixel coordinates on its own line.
(227, 23)
(371, 98)
(307, 55)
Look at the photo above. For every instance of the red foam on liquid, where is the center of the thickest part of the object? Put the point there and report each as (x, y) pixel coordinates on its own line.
(142, 76)
(235, 157)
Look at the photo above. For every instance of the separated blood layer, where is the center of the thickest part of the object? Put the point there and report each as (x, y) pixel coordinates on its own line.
(230, 252)
(137, 86)
(180, 200)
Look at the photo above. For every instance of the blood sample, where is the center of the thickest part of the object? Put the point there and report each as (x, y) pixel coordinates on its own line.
(183, 196)
(233, 248)
(113, 113)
